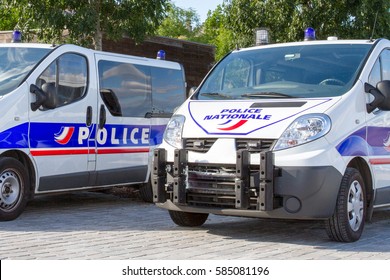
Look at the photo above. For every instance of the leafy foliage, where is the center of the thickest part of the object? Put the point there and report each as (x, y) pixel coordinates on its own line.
(8, 19)
(229, 25)
(233, 23)
(287, 19)
(180, 24)
(83, 22)
(184, 24)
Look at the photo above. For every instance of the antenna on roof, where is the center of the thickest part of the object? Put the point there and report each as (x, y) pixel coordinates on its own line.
(373, 28)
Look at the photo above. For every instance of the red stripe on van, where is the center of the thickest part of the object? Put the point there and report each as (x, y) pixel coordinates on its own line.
(53, 152)
(62, 152)
(375, 161)
(123, 151)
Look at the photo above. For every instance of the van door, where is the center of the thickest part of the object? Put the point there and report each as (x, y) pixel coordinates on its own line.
(59, 136)
(123, 134)
(378, 135)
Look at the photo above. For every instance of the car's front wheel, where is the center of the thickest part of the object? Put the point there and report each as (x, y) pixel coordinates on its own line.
(347, 222)
(187, 219)
(14, 189)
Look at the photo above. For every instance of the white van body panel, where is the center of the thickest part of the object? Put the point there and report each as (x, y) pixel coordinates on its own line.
(64, 127)
(280, 131)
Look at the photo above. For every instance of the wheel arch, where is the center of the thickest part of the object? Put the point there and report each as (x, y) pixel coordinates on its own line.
(26, 161)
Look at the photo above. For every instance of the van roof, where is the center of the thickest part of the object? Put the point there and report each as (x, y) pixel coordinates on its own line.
(156, 62)
(314, 42)
(29, 45)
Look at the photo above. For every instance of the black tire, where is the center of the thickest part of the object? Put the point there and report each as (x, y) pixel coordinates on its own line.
(347, 222)
(146, 192)
(187, 219)
(14, 189)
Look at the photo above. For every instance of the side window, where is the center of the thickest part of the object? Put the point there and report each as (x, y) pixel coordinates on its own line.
(125, 88)
(66, 78)
(168, 89)
(381, 69)
(385, 59)
(375, 75)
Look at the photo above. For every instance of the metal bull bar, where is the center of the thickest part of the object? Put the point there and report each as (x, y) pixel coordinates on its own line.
(242, 182)
(159, 175)
(177, 179)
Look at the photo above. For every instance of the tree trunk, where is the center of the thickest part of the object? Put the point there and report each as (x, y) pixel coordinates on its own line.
(98, 37)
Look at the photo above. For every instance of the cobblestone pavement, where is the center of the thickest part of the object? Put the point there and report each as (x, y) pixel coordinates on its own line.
(94, 226)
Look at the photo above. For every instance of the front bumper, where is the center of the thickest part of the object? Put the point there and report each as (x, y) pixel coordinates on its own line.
(243, 189)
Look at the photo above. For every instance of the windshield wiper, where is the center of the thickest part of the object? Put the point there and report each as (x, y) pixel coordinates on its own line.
(267, 94)
(216, 94)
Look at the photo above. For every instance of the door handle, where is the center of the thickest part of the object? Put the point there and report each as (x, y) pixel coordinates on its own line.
(102, 117)
(89, 116)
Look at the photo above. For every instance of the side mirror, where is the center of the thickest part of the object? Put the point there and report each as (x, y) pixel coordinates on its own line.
(191, 91)
(45, 97)
(384, 88)
(378, 97)
(39, 97)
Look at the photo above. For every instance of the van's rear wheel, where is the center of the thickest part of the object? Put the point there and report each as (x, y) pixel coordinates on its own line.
(347, 222)
(14, 190)
(187, 219)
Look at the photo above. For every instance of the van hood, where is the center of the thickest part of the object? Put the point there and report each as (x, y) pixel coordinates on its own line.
(248, 118)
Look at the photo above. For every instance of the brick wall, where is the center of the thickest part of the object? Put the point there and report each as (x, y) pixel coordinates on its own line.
(5, 36)
(197, 59)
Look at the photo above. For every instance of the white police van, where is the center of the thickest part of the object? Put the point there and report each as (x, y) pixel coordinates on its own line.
(78, 119)
(293, 131)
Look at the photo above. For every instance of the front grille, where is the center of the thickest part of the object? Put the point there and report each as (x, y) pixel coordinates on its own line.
(203, 145)
(254, 145)
(200, 145)
(212, 186)
(222, 196)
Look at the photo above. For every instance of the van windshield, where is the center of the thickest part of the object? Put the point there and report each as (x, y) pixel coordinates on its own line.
(295, 71)
(15, 64)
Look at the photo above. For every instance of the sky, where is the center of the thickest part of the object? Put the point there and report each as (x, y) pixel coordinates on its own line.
(200, 6)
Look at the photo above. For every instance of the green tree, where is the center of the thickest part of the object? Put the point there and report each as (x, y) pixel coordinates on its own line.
(85, 22)
(216, 32)
(180, 23)
(184, 24)
(8, 20)
(287, 19)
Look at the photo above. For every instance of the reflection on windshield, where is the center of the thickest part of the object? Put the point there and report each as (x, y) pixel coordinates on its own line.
(293, 71)
(15, 64)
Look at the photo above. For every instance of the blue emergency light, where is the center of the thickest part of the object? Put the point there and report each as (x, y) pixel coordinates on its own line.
(310, 34)
(161, 55)
(16, 36)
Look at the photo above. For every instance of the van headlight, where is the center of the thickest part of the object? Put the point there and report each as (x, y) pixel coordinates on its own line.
(173, 131)
(303, 130)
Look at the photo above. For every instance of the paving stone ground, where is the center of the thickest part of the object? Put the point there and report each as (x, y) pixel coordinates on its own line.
(96, 226)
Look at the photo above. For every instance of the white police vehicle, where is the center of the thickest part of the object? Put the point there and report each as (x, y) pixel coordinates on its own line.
(294, 131)
(78, 119)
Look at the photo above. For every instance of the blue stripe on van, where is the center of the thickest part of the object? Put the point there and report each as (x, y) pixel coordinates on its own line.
(377, 143)
(73, 135)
